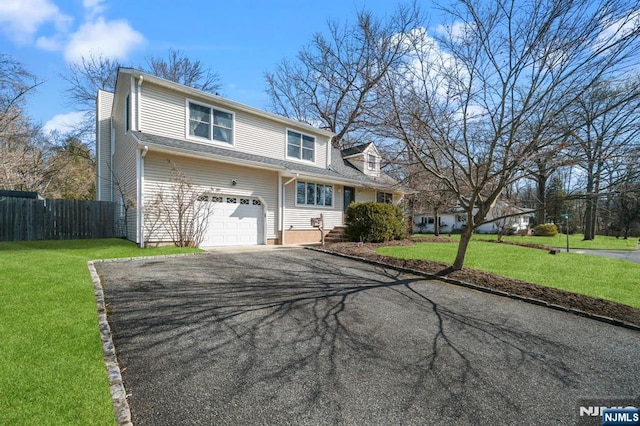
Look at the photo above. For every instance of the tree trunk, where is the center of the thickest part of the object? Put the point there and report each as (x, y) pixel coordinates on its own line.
(465, 237)
(436, 223)
(541, 193)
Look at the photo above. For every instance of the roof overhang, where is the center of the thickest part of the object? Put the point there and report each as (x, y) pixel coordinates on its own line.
(281, 170)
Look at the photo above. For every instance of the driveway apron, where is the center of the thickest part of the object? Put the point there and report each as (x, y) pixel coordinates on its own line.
(295, 336)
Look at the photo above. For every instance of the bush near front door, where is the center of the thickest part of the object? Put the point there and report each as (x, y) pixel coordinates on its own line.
(374, 222)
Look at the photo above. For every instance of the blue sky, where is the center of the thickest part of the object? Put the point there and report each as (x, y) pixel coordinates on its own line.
(241, 40)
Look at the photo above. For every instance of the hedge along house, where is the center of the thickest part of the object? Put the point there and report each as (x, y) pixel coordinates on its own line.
(264, 175)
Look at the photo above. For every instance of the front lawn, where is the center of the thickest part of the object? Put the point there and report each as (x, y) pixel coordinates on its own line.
(575, 241)
(51, 365)
(560, 240)
(610, 279)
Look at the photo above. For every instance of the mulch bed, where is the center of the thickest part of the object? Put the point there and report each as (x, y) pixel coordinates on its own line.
(590, 305)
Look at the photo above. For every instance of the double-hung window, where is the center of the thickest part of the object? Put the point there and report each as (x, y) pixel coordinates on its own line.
(371, 162)
(384, 197)
(300, 146)
(210, 123)
(314, 194)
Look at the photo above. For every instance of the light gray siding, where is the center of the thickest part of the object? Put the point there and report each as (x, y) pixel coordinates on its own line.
(299, 217)
(104, 104)
(164, 112)
(365, 195)
(125, 157)
(208, 177)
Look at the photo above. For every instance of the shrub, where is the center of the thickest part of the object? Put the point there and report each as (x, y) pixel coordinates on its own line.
(374, 222)
(545, 230)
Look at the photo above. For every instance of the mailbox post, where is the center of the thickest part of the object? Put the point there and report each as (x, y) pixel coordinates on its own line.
(318, 222)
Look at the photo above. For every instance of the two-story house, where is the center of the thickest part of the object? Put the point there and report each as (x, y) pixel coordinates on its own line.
(266, 176)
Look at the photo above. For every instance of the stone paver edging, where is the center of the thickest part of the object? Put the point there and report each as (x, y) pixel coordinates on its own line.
(600, 318)
(116, 384)
(118, 392)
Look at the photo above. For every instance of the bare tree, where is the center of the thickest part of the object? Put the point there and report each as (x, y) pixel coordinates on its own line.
(86, 77)
(180, 68)
(431, 194)
(626, 208)
(25, 164)
(478, 103)
(331, 82)
(90, 74)
(606, 126)
(181, 210)
(72, 168)
(16, 83)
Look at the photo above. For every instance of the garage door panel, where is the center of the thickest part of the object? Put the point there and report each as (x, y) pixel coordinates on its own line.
(235, 223)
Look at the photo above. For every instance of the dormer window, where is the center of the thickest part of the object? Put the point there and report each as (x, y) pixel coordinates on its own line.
(372, 162)
(300, 146)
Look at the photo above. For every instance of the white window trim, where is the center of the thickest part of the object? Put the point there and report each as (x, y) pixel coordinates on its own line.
(314, 206)
(207, 140)
(384, 192)
(375, 162)
(286, 146)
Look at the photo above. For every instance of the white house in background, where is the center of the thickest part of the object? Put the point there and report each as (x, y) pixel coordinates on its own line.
(266, 176)
(455, 220)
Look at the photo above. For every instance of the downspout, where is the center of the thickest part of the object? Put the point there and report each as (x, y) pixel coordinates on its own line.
(143, 152)
(138, 103)
(284, 190)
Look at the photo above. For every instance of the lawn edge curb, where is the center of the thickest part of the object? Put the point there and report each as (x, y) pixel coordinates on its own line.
(116, 385)
(472, 286)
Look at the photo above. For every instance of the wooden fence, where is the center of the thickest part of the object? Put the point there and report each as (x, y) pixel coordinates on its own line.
(23, 219)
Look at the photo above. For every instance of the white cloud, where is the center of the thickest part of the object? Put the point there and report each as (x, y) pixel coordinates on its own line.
(26, 22)
(112, 39)
(64, 123)
(93, 8)
(456, 32)
(21, 19)
(618, 29)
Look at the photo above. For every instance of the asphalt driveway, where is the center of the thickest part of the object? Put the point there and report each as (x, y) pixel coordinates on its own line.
(293, 336)
(630, 255)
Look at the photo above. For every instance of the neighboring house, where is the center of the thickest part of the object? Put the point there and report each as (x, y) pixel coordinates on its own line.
(266, 176)
(456, 219)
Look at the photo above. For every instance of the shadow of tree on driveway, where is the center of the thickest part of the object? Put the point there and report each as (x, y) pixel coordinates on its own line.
(295, 338)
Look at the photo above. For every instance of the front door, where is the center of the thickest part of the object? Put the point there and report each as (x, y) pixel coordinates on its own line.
(349, 196)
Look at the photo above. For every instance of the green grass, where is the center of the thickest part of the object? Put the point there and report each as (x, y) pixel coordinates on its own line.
(560, 240)
(575, 241)
(51, 365)
(610, 279)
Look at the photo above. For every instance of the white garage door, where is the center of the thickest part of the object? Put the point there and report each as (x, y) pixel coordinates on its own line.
(234, 221)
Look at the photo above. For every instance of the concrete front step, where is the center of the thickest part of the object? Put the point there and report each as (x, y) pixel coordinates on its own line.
(336, 235)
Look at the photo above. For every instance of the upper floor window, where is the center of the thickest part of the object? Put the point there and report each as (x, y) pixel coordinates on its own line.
(210, 123)
(300, 146)
(384, 197)
(371, 162)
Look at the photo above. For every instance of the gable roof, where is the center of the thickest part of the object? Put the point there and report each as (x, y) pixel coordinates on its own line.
(355, 150)
(339, 170)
